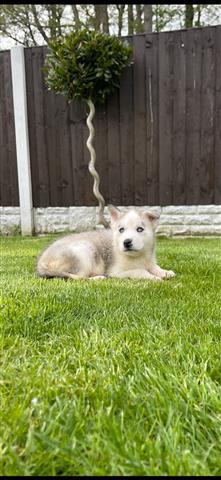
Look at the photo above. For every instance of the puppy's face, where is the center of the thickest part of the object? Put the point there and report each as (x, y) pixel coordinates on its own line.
(133, 232)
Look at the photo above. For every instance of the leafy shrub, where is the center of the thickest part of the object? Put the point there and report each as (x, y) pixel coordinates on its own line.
(86, 65)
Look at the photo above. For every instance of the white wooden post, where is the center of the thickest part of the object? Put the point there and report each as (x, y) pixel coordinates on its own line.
(22, 139)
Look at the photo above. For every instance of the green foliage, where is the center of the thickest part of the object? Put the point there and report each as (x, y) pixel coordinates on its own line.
(86, 65)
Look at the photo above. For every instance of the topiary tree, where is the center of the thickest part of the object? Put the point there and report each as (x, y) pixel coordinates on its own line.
(87, 65)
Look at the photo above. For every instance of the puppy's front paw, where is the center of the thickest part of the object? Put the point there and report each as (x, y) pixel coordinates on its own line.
(169, 274)
(157, 278)
(98, 277)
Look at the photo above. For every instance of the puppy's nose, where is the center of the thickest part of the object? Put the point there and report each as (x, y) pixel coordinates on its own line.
(127, 243)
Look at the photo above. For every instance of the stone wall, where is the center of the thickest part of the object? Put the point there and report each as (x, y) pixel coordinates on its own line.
(10, 222)
(180, 220)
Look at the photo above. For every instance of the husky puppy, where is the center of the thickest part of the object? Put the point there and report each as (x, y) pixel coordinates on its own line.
(126, 250)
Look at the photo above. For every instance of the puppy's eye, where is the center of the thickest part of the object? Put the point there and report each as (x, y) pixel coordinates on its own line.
(140, 229)
(121, 230)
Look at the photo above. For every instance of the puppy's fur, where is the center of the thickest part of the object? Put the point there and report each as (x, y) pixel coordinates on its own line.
(126, 250)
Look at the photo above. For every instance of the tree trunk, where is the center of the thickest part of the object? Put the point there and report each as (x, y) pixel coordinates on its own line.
(52, 21)
(198, 21)
(130, 19)
(104, 18)
(120, 9)
(189, 14)
(97, 17)
(139, 23)
(91, 166)
(148, 18)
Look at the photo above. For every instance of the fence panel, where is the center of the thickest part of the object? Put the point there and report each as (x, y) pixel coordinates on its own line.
(9, 195)
(217, 127)
(207, 116)
(157, 138)
(193, 105)
(126, 124)
(152, 117)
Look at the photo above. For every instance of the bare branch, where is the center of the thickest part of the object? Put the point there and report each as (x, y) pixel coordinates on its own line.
(76, 16)
(38, 25)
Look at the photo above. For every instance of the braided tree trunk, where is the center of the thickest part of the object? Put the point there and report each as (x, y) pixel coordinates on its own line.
(91, 166)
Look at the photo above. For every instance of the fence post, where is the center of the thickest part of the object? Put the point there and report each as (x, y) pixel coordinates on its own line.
(22, 139)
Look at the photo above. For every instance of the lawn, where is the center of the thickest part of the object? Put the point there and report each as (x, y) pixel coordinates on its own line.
(114, 377)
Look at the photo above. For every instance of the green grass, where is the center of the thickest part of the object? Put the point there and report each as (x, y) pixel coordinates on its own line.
(114, 377)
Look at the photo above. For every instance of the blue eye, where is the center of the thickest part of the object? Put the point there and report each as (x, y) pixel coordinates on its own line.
(140, 229)
(121, 230)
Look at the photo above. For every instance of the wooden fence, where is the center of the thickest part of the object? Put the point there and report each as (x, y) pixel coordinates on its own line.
(158, 139)
(8, 165)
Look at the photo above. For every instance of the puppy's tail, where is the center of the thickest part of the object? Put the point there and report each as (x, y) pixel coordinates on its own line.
(64, 275)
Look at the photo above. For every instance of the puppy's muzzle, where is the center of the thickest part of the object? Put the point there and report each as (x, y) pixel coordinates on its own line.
(128, 244)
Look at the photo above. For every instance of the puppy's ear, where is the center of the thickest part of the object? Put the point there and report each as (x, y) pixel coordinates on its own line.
(114, 212)
(153, 217)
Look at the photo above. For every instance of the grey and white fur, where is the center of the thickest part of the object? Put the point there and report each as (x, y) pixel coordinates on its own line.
(126, 250)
